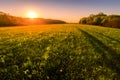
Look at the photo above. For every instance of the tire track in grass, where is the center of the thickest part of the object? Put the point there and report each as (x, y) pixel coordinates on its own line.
(102, 33)
(103, 38)
(106, 39)
(110, 57)
(111, 42)
(107, 36)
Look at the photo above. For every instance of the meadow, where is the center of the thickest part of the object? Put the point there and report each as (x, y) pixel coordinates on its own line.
(59, 52)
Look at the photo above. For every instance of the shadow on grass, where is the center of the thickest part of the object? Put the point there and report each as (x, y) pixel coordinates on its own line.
(107, 37)
(110, 57)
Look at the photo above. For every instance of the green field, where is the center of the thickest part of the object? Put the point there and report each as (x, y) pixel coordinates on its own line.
(59, 52)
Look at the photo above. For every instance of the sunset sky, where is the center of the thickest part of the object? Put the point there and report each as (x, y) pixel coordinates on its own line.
(67, 10)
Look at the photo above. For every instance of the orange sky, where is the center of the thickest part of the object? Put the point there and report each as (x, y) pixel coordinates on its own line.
(68, 10)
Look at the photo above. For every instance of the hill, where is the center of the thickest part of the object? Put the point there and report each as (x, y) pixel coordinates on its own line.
(8, 20)
(59, 52)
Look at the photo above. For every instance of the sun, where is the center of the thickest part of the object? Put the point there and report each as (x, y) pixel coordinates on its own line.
(32, 15)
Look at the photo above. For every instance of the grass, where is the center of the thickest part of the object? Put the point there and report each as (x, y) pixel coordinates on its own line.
(59, 52)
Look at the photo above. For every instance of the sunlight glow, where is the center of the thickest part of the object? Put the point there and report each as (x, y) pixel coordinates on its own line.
(32, 15)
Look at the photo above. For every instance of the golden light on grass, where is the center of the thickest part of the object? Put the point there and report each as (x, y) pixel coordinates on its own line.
(32, 14)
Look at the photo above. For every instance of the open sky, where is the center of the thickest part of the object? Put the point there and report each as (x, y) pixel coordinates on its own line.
(67, 10)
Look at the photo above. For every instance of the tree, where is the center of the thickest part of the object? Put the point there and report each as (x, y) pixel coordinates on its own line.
(97, 20)
(115, 23)
(83, 21)
(102, 19)
(101, 14)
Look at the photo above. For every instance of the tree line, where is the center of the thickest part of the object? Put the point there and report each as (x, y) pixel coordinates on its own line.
(9, 20)
(102, 20)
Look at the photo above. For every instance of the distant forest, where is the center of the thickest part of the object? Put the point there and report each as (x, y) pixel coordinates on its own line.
(98, 19)
(8, 20)
(102, 20)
